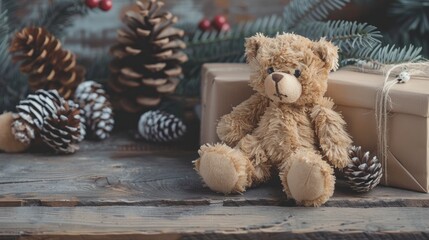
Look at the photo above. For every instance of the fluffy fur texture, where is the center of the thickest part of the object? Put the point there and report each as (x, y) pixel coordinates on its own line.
(287, 125)
(8, 143)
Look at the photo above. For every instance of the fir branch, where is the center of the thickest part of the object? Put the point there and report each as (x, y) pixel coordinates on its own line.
(344, 34)
(302, 11)
(11, 6)
(4, 30)
(411, 15)
(228, 46)
(381, 55)
(58, 16)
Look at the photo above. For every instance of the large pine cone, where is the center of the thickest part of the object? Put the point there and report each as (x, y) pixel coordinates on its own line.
(31, 114)
(147, 58)
(97, 109)
(46, 63)
(61, 131)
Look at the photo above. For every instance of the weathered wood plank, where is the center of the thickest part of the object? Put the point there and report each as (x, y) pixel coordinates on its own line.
(204, 222)
(123, 172)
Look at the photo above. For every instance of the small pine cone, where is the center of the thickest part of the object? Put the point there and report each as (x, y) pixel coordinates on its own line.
(159, 126)
(147, 58)
(61, 131)
(97, 109)
(47, 64)
(363, 173)
(32, 112)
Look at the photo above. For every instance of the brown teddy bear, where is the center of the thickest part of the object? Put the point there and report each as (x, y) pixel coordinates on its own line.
(287, 124)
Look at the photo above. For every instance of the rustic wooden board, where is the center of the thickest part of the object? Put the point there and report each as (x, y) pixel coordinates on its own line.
(123, 172)
(214, 222)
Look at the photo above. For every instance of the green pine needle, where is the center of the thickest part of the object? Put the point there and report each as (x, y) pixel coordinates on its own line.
(411, 15)
(346, 35)
(381, 55)
(302, 11)
(60, 15)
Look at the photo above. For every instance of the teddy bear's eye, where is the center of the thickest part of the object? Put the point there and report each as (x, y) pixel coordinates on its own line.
(297, 73)
(270, 70)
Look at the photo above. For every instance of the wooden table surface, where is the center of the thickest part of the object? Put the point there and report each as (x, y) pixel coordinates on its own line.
(120, 189)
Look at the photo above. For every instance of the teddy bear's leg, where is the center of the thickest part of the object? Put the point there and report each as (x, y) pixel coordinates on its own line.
(226, 170)
(307, 178)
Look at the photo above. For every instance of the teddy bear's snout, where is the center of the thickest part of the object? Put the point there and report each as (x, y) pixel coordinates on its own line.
(282, 87)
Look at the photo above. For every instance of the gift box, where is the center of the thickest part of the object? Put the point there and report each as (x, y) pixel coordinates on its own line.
(223, 86)
(226, 85)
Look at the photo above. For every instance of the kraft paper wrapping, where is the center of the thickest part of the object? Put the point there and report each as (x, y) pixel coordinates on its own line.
(226, 85)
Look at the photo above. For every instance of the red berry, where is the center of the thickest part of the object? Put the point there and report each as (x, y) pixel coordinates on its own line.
(92, 3)
(105, 5)
(204, 25)
(219, 21)
(225, 27)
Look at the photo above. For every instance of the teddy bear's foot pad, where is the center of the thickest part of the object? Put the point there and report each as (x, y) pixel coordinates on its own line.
(223, 169)
(311, 183)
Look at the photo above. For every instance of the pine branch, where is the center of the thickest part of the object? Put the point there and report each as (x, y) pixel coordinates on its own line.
(411, 15)
(302, 11)
(346, 35)
(380, 55)
(228, 46)
(58, 16)
(11, 6)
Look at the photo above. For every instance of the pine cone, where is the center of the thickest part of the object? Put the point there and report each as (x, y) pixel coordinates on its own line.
(46, 63)
(97, 109)
(147, 58)
(61, 131)
(32, 113)
(159, 126)
(363, 173)
(82, 119)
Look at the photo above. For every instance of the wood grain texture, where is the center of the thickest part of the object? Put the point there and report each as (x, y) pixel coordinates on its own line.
(120, 171)
(204, 222)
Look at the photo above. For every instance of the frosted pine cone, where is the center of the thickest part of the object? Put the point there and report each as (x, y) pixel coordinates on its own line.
(82, 119)
(97, 109)
(363, 173)
(159, 126)
(32, 112)
(61, 131)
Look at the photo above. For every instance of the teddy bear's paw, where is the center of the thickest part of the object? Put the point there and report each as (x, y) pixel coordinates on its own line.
(309, 181)
(223, 169)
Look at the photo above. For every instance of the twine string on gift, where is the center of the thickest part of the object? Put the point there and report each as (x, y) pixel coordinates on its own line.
(383, 103)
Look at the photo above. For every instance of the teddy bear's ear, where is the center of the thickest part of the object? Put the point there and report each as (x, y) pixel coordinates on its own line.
(328, 52)
(253, 44)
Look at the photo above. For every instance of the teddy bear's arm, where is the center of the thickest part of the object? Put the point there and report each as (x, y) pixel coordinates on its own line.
(330, 130)
(242, 119)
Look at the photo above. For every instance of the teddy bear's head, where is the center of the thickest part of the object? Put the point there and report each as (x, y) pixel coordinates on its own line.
(290, 68)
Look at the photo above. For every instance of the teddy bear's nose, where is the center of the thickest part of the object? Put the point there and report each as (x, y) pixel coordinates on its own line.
(277, 77)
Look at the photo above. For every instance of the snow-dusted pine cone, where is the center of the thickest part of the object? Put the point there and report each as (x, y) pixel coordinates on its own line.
(82, 119)
(31, 114)
(61, 131)
(97, 109)
(364, 172)
(159, 126)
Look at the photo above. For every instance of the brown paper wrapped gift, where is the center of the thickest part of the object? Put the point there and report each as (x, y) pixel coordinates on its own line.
(225, 86)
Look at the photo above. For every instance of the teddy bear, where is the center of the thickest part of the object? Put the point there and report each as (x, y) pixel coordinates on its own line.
(287, 127)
